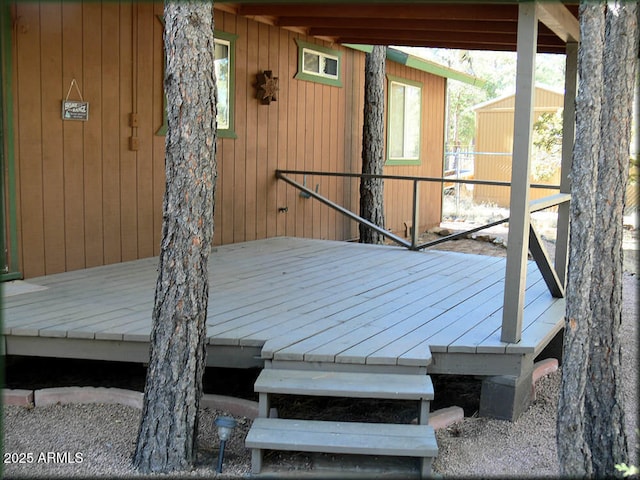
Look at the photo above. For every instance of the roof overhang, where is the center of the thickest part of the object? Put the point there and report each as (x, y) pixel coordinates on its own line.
(423, 65)
(456, 24)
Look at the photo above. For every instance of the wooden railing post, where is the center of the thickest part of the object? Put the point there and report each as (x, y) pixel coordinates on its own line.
(568, 136)
(415, 215)
(518, 240)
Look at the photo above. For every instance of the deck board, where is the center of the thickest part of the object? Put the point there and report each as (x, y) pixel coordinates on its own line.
(298, 300)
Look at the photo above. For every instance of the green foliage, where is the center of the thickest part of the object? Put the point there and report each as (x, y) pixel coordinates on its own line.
(627, 470)
(634, 169)
(547, 146)
(547, 132)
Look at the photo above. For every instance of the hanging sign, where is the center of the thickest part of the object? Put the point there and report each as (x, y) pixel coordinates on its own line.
(74, 109)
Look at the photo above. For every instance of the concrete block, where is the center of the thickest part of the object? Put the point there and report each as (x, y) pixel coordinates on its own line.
(23, 398)
(232, 405)
(64, 395)
(505, 397)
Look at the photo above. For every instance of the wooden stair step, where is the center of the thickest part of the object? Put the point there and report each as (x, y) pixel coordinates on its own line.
(345, 384)
(342, 437)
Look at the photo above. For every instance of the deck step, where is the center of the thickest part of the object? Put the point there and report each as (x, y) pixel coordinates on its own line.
(345, 384)
(342, 437)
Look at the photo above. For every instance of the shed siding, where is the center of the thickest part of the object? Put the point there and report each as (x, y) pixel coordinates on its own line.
(494, 134)
(85, 198)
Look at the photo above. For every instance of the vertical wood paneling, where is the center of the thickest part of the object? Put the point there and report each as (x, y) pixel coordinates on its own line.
(128, 170)
(158, 171)
(282, 128)
(261, 205)
(242, 47)
(251, 152)
(73, 134)
(292, 137)
(92, 155)
(225, 198)
(271, 158)
(29, 137)
(102, 202)
(398, 194)
(144, 107)
(52, 92)
(299, 158)
(315, 157)
(111, 40)
(332, 141)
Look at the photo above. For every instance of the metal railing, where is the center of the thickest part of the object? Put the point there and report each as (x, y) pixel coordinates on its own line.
(413, 244)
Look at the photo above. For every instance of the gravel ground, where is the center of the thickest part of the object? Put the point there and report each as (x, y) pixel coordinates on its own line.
(98, 440)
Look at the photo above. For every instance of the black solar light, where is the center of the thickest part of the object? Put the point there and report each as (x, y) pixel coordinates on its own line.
(225, 427)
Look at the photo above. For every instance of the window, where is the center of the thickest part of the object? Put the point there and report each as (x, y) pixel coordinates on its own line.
(404, 122)
(222, 49)
(319, 64)
(224, 63)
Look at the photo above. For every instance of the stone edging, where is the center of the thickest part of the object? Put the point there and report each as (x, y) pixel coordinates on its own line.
(130, 398)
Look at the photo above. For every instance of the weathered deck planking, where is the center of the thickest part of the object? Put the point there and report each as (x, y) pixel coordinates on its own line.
(298, 300)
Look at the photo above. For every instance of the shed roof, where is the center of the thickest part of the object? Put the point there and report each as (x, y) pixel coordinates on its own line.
(495, 101)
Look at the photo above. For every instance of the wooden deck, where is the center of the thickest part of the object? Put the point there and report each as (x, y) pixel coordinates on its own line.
(309, 302)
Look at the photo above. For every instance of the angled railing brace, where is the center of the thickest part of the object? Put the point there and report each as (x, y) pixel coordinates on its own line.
(538, 252)
(343, 210)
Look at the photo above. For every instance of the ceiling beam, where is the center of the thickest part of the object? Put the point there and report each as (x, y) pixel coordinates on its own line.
(559, 20)
(461, 45)
(388, 11)
(406, 24)
(400, 35)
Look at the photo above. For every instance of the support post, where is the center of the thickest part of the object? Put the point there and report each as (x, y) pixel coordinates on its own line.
(568, 136)
(518, 240)
(415, 214)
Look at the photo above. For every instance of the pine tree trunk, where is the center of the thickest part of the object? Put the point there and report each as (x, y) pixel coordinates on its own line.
(573, 451)
(371, 190)
(168, 430)
(604, 394)
(590, 435)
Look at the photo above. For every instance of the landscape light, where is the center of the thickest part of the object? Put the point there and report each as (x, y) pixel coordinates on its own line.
(225, 427)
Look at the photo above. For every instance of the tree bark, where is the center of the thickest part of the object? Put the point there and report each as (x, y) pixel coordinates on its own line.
(168, 430)
(604, 395)
(371, 189)
(590, 434)
(573, 452)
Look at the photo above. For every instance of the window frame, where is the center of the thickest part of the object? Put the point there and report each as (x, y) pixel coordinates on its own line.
(407, 83)
(229, 39)
(322, 52)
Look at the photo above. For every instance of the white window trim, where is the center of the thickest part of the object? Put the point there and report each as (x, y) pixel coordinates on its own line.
(322, 60)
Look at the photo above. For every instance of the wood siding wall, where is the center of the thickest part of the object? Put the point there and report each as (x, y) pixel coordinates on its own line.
(85, 198)
(399, 194)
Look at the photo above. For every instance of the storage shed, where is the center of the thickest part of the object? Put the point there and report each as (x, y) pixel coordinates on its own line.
(494, 141)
